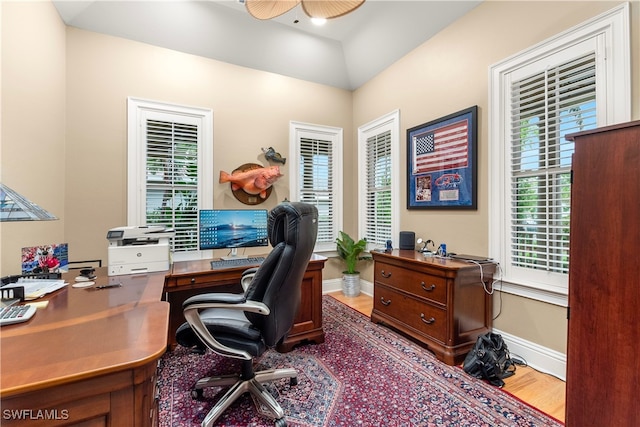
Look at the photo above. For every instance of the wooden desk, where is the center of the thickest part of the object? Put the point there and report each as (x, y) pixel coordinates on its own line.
(89, 357)
(189, 278)
(442, 303)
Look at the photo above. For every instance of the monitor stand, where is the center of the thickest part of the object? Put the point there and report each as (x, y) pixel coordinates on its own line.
(233, 255)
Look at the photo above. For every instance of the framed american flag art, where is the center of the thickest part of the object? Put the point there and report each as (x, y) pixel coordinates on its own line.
(442, 162)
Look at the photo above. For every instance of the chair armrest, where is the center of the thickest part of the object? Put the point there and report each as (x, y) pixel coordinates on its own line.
(215, 297)
(224, 300)
(247, 277)
(192, 307)
(251, 271)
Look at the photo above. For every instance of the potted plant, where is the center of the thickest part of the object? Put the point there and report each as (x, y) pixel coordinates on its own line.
(349, 250)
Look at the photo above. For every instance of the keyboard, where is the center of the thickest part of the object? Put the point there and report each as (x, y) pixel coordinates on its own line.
(221, 264)
(16, 314)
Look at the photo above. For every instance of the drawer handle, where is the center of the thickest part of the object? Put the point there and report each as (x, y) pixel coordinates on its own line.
(385, 303)
(193, 280)
(427, 321)
(385, 275)
(429, 289)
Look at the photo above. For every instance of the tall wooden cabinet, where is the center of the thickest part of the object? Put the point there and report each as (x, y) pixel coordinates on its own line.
(603, 354)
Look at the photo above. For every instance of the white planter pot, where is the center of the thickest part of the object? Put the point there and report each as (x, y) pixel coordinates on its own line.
(351, 284)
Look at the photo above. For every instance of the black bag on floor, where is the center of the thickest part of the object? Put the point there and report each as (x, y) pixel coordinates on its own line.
(490, 360)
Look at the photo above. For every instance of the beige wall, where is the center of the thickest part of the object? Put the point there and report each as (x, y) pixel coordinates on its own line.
(83, 80)
(450, 72)
(251, 109)
(32, 159)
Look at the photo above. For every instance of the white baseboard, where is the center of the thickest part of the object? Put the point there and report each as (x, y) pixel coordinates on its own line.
(540, 358)
(333, 285)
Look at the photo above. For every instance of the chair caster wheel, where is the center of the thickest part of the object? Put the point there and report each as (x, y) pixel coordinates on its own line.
(293, 381)
(281, 423)
(197, 393)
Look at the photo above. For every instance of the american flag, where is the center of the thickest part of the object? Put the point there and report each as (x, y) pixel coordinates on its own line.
(442, 148)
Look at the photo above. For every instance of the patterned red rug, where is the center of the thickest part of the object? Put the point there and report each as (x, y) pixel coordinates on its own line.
(364, 374)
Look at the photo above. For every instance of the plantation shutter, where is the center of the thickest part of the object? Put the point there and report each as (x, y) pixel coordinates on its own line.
(172, 180)
(544, 108)
(316, 184)
(378, 189)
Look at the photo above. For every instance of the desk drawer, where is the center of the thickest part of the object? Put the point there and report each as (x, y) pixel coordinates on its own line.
(415, 313)
(229, 276)
(201, 279)
(419, 284)
(192, 280)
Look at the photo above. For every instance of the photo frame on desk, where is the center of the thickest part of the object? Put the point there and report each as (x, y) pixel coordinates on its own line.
(52, 258)
(442, 158)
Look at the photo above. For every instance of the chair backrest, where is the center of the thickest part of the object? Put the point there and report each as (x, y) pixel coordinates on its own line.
(293, 228)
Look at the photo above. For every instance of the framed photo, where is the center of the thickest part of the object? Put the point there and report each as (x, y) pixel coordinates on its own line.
(442, 162)
(51, 258)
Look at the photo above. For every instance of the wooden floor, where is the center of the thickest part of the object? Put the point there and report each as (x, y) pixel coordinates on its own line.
(542, 391)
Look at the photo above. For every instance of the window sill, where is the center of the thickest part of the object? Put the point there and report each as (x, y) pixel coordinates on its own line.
(329, 253)
(537, 294)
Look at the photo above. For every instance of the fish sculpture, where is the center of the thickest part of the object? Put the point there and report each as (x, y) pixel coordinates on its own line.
(253, 181)
(273, 156)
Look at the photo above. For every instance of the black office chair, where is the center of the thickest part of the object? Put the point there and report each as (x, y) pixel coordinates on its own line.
(244, 326)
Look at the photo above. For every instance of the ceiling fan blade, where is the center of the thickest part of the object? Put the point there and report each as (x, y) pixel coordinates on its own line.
(329, 8)
(267, 9)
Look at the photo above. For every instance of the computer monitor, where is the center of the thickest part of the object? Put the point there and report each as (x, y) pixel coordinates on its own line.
(232, 228)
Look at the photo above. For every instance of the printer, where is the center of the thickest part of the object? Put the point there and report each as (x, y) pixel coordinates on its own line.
(138, 249)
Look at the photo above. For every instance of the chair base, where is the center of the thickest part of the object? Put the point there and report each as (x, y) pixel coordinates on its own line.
(240, 385)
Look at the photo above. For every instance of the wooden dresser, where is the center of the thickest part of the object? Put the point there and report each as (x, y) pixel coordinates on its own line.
(604, 279)
(441, 303)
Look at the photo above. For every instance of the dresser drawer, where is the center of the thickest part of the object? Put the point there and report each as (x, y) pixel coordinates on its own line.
(422, 285)
(415, 313)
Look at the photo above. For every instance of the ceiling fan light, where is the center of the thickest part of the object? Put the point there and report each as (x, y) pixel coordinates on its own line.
(268, 9)
(329, 9)
(318, 21)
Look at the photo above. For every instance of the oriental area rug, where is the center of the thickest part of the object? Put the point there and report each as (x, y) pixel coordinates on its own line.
(364, 374)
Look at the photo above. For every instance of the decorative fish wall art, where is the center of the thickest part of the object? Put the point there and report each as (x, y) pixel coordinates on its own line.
(253, 181)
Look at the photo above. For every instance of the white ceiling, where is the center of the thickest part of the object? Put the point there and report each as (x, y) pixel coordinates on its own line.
(345, 53)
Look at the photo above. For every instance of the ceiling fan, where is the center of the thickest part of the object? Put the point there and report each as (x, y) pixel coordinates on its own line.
(327, 9)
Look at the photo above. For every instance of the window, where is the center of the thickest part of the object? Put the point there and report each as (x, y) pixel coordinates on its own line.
(549, 105)
(577, 81)
(316, 178)
(169, 157)
(378, 156)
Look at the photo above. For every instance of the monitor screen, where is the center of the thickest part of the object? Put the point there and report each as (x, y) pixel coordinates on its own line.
(232, 228)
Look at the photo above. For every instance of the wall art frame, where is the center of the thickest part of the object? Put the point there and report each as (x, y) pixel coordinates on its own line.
(442, 162)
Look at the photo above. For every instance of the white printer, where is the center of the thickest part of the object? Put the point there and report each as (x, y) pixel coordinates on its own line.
(138, 249)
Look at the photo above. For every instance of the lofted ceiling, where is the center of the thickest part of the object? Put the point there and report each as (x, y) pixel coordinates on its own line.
(346, 52)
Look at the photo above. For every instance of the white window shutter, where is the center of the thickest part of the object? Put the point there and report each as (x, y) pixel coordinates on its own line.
(378, 198)
(574, 81)
(316, 184)
(170, 165)
(172, 180)
(379, 183)
(545, 107)
(316, 177)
